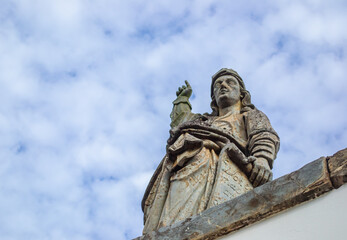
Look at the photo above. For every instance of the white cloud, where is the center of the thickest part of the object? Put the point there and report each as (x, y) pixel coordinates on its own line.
(86, 90)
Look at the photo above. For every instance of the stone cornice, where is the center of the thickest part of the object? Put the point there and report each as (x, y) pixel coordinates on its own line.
(309, 182)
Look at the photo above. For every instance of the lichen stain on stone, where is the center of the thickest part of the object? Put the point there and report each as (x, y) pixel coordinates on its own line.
(254, 202)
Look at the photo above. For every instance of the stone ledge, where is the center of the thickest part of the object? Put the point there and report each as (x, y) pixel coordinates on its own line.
(309, 182)
(337, 165)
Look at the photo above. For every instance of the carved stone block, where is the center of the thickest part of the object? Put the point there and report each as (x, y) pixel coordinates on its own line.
(338, 168)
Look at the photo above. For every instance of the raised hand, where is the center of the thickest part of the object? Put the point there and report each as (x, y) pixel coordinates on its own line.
(185, 90)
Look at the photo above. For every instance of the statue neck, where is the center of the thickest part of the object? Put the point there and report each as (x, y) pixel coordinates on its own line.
(233, 109)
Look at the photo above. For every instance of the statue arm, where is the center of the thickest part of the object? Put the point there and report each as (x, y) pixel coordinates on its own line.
(181, 111)
(263, 144)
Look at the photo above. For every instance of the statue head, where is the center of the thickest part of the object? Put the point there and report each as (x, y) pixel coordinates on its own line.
(244, 95)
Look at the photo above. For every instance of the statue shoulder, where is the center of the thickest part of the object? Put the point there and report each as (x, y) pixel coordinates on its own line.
(257, 121)
(255, 114)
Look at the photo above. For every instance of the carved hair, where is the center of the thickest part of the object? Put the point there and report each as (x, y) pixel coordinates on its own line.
(246, 104)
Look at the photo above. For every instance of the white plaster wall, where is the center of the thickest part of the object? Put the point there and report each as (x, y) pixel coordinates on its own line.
(324, 218)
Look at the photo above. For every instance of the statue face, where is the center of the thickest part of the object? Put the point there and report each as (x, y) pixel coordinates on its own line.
(226, 90)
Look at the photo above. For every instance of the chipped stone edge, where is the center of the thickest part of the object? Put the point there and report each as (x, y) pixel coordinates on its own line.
(307, 183)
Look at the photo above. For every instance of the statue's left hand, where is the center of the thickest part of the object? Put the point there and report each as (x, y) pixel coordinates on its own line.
(261, 172)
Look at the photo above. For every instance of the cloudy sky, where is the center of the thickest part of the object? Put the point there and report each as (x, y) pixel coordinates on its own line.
(86, 90)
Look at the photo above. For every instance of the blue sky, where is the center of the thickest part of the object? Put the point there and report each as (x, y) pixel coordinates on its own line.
(87, 87)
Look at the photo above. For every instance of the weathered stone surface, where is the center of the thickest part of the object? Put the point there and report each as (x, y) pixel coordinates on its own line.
(323, 218)
(210, 158)
(338, 168)
(307, 183)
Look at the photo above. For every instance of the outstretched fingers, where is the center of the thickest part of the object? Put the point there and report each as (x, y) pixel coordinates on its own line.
(187, 83)
(185, 90)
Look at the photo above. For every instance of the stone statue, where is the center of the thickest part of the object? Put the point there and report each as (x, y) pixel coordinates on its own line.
(211, 158)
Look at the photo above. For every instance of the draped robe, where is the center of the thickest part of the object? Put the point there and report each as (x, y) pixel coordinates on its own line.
(197, 172)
